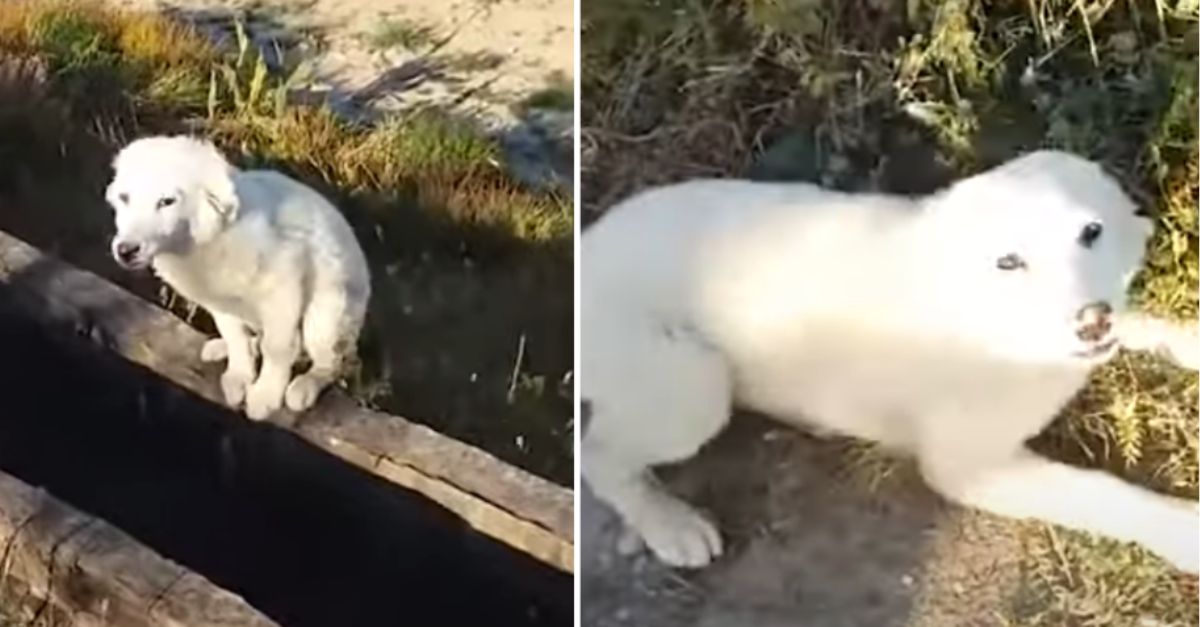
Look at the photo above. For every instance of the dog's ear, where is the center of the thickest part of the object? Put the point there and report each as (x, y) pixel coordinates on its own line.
(110, 194)
(226, 205)
(1143, 203)
(219, 191)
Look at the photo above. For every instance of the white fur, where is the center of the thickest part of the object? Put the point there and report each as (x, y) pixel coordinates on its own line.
(879, 317)
(275, 264)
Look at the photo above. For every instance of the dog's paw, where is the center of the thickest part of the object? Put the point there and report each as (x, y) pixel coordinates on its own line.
(302, 393)
(679, 535)
(234, 384)
(214, 350)
(263, 400)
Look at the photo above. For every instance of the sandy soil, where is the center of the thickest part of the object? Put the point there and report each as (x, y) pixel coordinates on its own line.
(521, 45)
(808, 544)
(479, 59)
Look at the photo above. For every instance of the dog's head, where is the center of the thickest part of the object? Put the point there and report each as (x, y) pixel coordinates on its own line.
(1037, 256)
(168, 195)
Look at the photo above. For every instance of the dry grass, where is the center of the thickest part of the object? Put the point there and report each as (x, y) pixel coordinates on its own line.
(432, 162)
(393, 32)
(904, 96)
(78, 32)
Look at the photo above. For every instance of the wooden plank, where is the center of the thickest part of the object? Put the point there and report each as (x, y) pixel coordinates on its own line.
(505, 502)
(100, 576)
(338, 421)
(520, 534)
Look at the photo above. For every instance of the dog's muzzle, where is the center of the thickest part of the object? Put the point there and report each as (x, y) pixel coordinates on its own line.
(1096, 321)
(1096, 329)
(128, 255)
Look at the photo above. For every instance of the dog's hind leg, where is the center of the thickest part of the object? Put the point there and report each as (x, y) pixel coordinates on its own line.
(329, 333)
(1023, 485)
(655, 399)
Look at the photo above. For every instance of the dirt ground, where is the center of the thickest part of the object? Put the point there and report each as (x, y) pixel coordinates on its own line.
(483, 60)
(808, 543)
(520, 45)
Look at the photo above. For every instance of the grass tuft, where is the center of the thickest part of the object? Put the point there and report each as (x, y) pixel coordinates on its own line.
(400, 33)
(1084, 580)
(557, 95)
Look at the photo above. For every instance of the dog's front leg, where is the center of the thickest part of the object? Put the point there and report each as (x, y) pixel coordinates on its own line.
(239, 372)
(1176, 341)
(279, 345)
(1027, 486)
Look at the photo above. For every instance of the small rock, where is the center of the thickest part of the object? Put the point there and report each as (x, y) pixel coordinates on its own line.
(1124, 42)
(1029, 75)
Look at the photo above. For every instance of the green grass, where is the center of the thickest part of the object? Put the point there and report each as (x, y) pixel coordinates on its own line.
(466, 260)
(558, 95)
(905, 97)
(402, 33)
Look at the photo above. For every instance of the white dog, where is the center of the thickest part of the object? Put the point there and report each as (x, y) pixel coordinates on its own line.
(275, 264)
(953, 327)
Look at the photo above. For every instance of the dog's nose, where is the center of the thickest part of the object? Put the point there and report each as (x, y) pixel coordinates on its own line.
(1097, 321)
(127, 252)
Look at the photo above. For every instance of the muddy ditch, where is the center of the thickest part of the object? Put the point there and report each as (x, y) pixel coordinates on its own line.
(301, 535)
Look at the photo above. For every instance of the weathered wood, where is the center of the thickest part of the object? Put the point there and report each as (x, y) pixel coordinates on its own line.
(505, 502)
(100, 576)
(520, 534)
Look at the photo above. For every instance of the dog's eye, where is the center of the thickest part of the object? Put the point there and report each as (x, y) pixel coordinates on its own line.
(166, 202)
(1090, 234)
(1011, 261)
(124, 198)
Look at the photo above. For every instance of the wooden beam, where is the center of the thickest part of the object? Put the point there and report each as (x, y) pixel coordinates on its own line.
(528, 513)
(98, 575)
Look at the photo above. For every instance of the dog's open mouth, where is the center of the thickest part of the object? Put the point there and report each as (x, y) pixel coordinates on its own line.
(135, 264)
(1098, 350)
